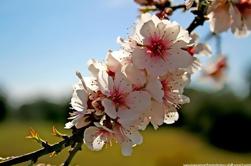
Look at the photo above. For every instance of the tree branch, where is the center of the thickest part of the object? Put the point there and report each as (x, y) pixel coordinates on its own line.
(197, 21)
(181, 6)
(72, 153)
(58, 147)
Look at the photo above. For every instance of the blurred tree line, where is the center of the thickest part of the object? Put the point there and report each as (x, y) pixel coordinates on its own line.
(221, 118)
(40, 110)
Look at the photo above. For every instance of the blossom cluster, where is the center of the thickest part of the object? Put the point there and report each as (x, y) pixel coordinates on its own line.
(226, 14)
(141, 83)
(234, 14)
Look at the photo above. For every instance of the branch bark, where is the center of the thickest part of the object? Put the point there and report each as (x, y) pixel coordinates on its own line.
(197, 21)
(76, 138)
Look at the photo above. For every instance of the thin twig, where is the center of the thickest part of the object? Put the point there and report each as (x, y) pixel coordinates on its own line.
(198, 20)
(58, 147)
(181, 6)
(36, 154)
(72, 153)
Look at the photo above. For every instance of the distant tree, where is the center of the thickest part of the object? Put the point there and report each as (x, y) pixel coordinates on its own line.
(43, 110)
(3, 107)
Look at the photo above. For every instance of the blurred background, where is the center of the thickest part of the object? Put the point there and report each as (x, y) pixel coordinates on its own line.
(43, 43)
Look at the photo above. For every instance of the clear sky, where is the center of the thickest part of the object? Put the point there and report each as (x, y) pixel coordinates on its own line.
(43, 43)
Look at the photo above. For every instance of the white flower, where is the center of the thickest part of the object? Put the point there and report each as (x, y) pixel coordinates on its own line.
(159, 48)
(167, 97)
(79, 102)
(173, 85)
(234, 14)
(111, 65)
(216, 72)
(121, 101)
(96, 137)
(196, 48)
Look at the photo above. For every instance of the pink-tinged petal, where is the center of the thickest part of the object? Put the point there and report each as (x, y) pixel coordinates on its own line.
(171, 117)
(220, 19)
(179, 59)
(93, 140)
(135, 76)
(171, 32)
(113, 64)
(156, 114)
(248, 21)
(184, 36)
(94, 67)
(105, 82)
(126, 148)
(82, 122)
(121, 84)
(139, 58)
(109, 107)
(91, 83)
(134, 136)
(79, 99)
(138, 101)
(238, 27)
(154, 87)
(203, 49)
(157, 66)
(126, 116)
(147, 29)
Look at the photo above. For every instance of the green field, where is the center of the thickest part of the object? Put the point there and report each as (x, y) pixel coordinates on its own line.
(165, 147)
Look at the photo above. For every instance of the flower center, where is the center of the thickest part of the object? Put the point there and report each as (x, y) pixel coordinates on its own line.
(118, 98)
(157, 47)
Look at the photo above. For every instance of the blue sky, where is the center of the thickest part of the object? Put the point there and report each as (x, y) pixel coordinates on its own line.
(43, 43)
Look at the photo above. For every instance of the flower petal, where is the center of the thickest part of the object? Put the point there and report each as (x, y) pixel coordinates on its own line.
(147, 29)
(154, 87)
(138, 101)
(121, 84)
(105, 82)
(126, 148)
(179, 59)
(92, 139)
(112, 63)
(220, 19)
(135, 76)
(79, 99)
(109, 107)
(134, 136)
(139, 58)
(156, 114)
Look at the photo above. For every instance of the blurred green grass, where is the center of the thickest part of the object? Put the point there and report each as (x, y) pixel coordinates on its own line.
(165, 147)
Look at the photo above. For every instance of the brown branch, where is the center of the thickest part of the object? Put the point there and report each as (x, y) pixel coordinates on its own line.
(181, 6)
(200, 13)
(72, 153)
(197, 21)
(58, 147)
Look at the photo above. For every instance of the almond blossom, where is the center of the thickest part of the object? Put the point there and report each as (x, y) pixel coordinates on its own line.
(216, 72)
(165, 110)
(95, 137)
(159, 46)
(141, 83)
(234, 14)
(79, 103)
(120, 100)
(197, 48)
